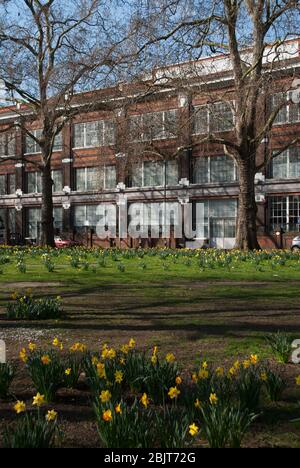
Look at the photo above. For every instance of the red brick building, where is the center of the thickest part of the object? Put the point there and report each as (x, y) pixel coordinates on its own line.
(149, 150)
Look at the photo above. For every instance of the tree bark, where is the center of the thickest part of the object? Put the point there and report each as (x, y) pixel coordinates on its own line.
(47, 220)
(246, 238)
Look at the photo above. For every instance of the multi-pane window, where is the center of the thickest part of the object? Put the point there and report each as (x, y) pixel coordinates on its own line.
(12, 220)
(214, 169)
(219, 219)
(3, 189)
(213, 118)
(34, 182)
(155, 174)
(284, 212)
(33, 223)
(57, 177)
(7, 144)
(86, 215)
(96, 178)
(288, 111)
(32, 145)
(286, 165)
(58, 218)
(92, 134)
(11, 184)
(153, 126)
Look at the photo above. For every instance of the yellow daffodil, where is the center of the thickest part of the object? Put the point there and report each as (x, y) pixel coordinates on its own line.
(101, 370)
(213, 399)
(32, 347)
(23, 355)
(20, 407)
(145, 400)
(38, 400)
(118, 376)
(194, 377)
(193, 430)
(95, 360)
(68, 371)
(263, 376)
(170, 357)
(107, 415)
(178, 380)
(246, 363)
(203, 374)
(131, 343)
(125, 349)
(56, 342)
(198, 404)
(254, 359)
(118, 409)
(51, 416)
(204, 365)
(105, 396)
(219, 371)
(174, 393)
(46, 360)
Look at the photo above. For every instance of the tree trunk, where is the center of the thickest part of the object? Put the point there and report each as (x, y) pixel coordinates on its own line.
(47, 227)
(246, 238)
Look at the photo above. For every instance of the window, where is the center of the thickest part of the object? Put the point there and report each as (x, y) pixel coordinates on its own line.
(34, 182)
(58, 218)
(288, 111)
(7, 144)
(11, 184)
(214, 169)
(92, 134)
(57, 177)
(286, 165)
(86, 215)
(33, 147)
(152, 174)
(216, 117)
(219, 219)
(284, 212)
(33, 223)
(96, 178)
(153, 126)
(3, 190)
(110, 179)
(12, 220)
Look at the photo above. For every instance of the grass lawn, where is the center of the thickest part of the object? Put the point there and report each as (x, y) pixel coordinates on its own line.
(198, 305)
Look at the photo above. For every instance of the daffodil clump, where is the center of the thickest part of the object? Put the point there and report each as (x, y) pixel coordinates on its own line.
(142, 399)
(34, 427)
(26, 307)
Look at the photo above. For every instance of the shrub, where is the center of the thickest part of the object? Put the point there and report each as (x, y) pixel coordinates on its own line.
(281, 345)
(6, 377)
(72, 365)
(159, 376)
(31, 431)
(28, 308)
(172, 428)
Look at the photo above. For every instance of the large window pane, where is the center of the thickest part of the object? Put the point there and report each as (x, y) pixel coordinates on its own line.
(200, 120)
(172, 172)
(78, 135)
(110, 177)
(57, 177)
(2, 185)
(33, 223)
(222, 169)
(221, 117)
(200, 170)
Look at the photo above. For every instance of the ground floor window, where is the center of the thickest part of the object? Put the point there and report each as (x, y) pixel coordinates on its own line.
(85, 216)
(284, 212)
(33, 221)
(219, 219)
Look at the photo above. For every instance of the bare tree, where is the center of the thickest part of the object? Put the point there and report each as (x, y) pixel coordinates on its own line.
(251, 35)
(48, 51)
